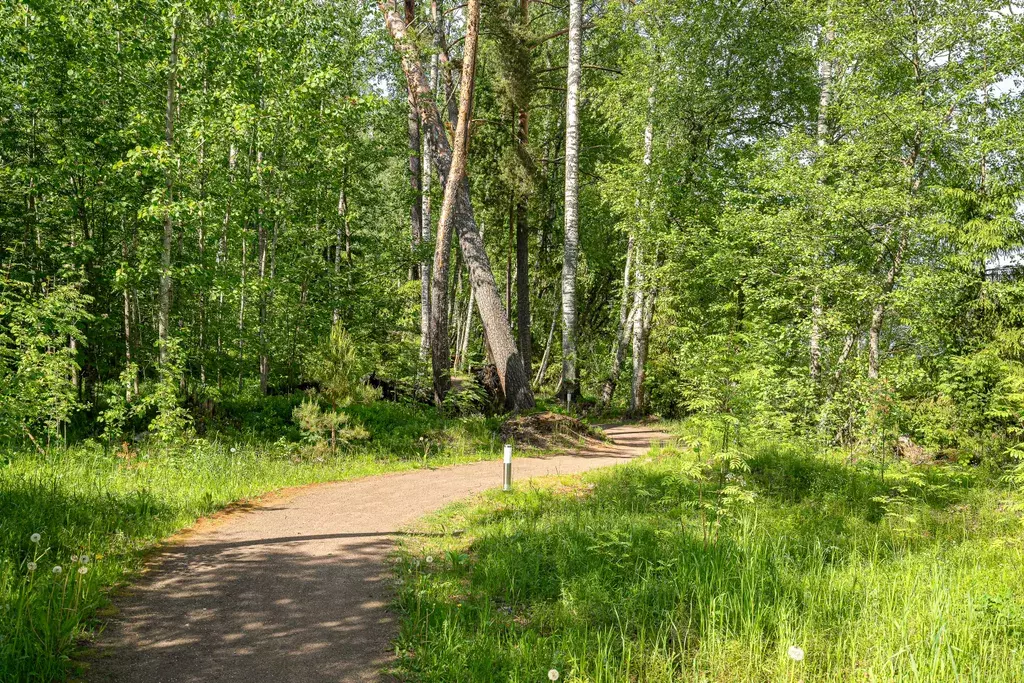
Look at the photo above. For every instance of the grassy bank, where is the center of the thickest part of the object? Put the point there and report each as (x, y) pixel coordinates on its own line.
(98, 510)
(775, 564)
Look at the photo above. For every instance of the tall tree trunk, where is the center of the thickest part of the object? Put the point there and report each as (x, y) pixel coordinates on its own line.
(498, 336)
(824, 100)
(467, 331)
(164, 315)
(622, 332)
(222, 255)
(547, 347)
(508, 255)
(415, 175)
(878, 312)
(241, 316)
(133, 388)
(456, 176)
(427, 180)
(343, 242)
(523, 235)
(261, 260)
(817, 311)
(570, 373)
(643, 315)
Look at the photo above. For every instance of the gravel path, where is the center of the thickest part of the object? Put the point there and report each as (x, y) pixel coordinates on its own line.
(296, 590)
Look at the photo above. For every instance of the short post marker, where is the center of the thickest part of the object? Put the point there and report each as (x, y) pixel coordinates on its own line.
(507, 484)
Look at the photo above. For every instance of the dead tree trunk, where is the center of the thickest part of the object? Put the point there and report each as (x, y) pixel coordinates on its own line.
(497, 333)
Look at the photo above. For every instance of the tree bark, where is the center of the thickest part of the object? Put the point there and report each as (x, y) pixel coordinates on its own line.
(415, 176)
(456, 176)
(164, 315)
(643, 316)
(878, 312)
(623, 331)
(497, 334)
(427, 214)
(815, 337)
(261, 260)
(523, 330)
(547, 347)
(824, 100)
(570, 376)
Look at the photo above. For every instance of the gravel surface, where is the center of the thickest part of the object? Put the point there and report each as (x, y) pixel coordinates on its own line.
(296, 589)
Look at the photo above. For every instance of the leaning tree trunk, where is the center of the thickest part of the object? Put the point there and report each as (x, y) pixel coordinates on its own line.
(622, 333)
(497, 333)
(570, 375)
(164, 315)
(439, 343)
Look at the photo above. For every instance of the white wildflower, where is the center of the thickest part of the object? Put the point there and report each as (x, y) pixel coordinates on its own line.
(553, 675)
(796, 653)
(34, 538)
(57, 569)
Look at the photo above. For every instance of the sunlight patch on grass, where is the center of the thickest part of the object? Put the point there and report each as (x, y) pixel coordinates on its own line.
(821, 571)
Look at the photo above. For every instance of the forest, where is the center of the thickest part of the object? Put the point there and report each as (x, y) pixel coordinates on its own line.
(248, 244)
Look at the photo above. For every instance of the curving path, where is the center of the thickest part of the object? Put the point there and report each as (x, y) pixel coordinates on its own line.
(297, 590)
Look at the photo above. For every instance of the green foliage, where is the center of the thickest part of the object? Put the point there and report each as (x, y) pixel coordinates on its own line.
(319, 424)
(625, 575)
(337, 368)
(114, 506)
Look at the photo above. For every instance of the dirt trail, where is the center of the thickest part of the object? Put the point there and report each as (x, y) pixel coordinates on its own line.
(297, 590)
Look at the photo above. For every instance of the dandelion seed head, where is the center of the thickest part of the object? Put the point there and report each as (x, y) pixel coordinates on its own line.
(84, 559)
(233, 449)
(57, 569)
(83, 570)
(430, 559)
(34, 538)
(32, 566)
(795, 653)
(74, 558)
(553, 675)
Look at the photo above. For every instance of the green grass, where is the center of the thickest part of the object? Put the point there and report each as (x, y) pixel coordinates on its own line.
(709, 567)
(113, 508)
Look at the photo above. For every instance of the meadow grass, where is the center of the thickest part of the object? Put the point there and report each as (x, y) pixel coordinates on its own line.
(699, 566)
(98, 511)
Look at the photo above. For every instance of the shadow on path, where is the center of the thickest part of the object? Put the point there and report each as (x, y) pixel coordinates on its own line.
(259, 599)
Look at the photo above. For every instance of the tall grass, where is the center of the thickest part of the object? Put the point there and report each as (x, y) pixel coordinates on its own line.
(110, 507)
(656, 572)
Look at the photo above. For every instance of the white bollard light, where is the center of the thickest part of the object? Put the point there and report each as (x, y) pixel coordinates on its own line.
(507, 486)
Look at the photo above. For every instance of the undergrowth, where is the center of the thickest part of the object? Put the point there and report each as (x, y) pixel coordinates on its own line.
(95, 511)
(774, 562)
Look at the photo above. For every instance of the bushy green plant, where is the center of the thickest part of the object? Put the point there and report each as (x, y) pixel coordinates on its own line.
(319, 424)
